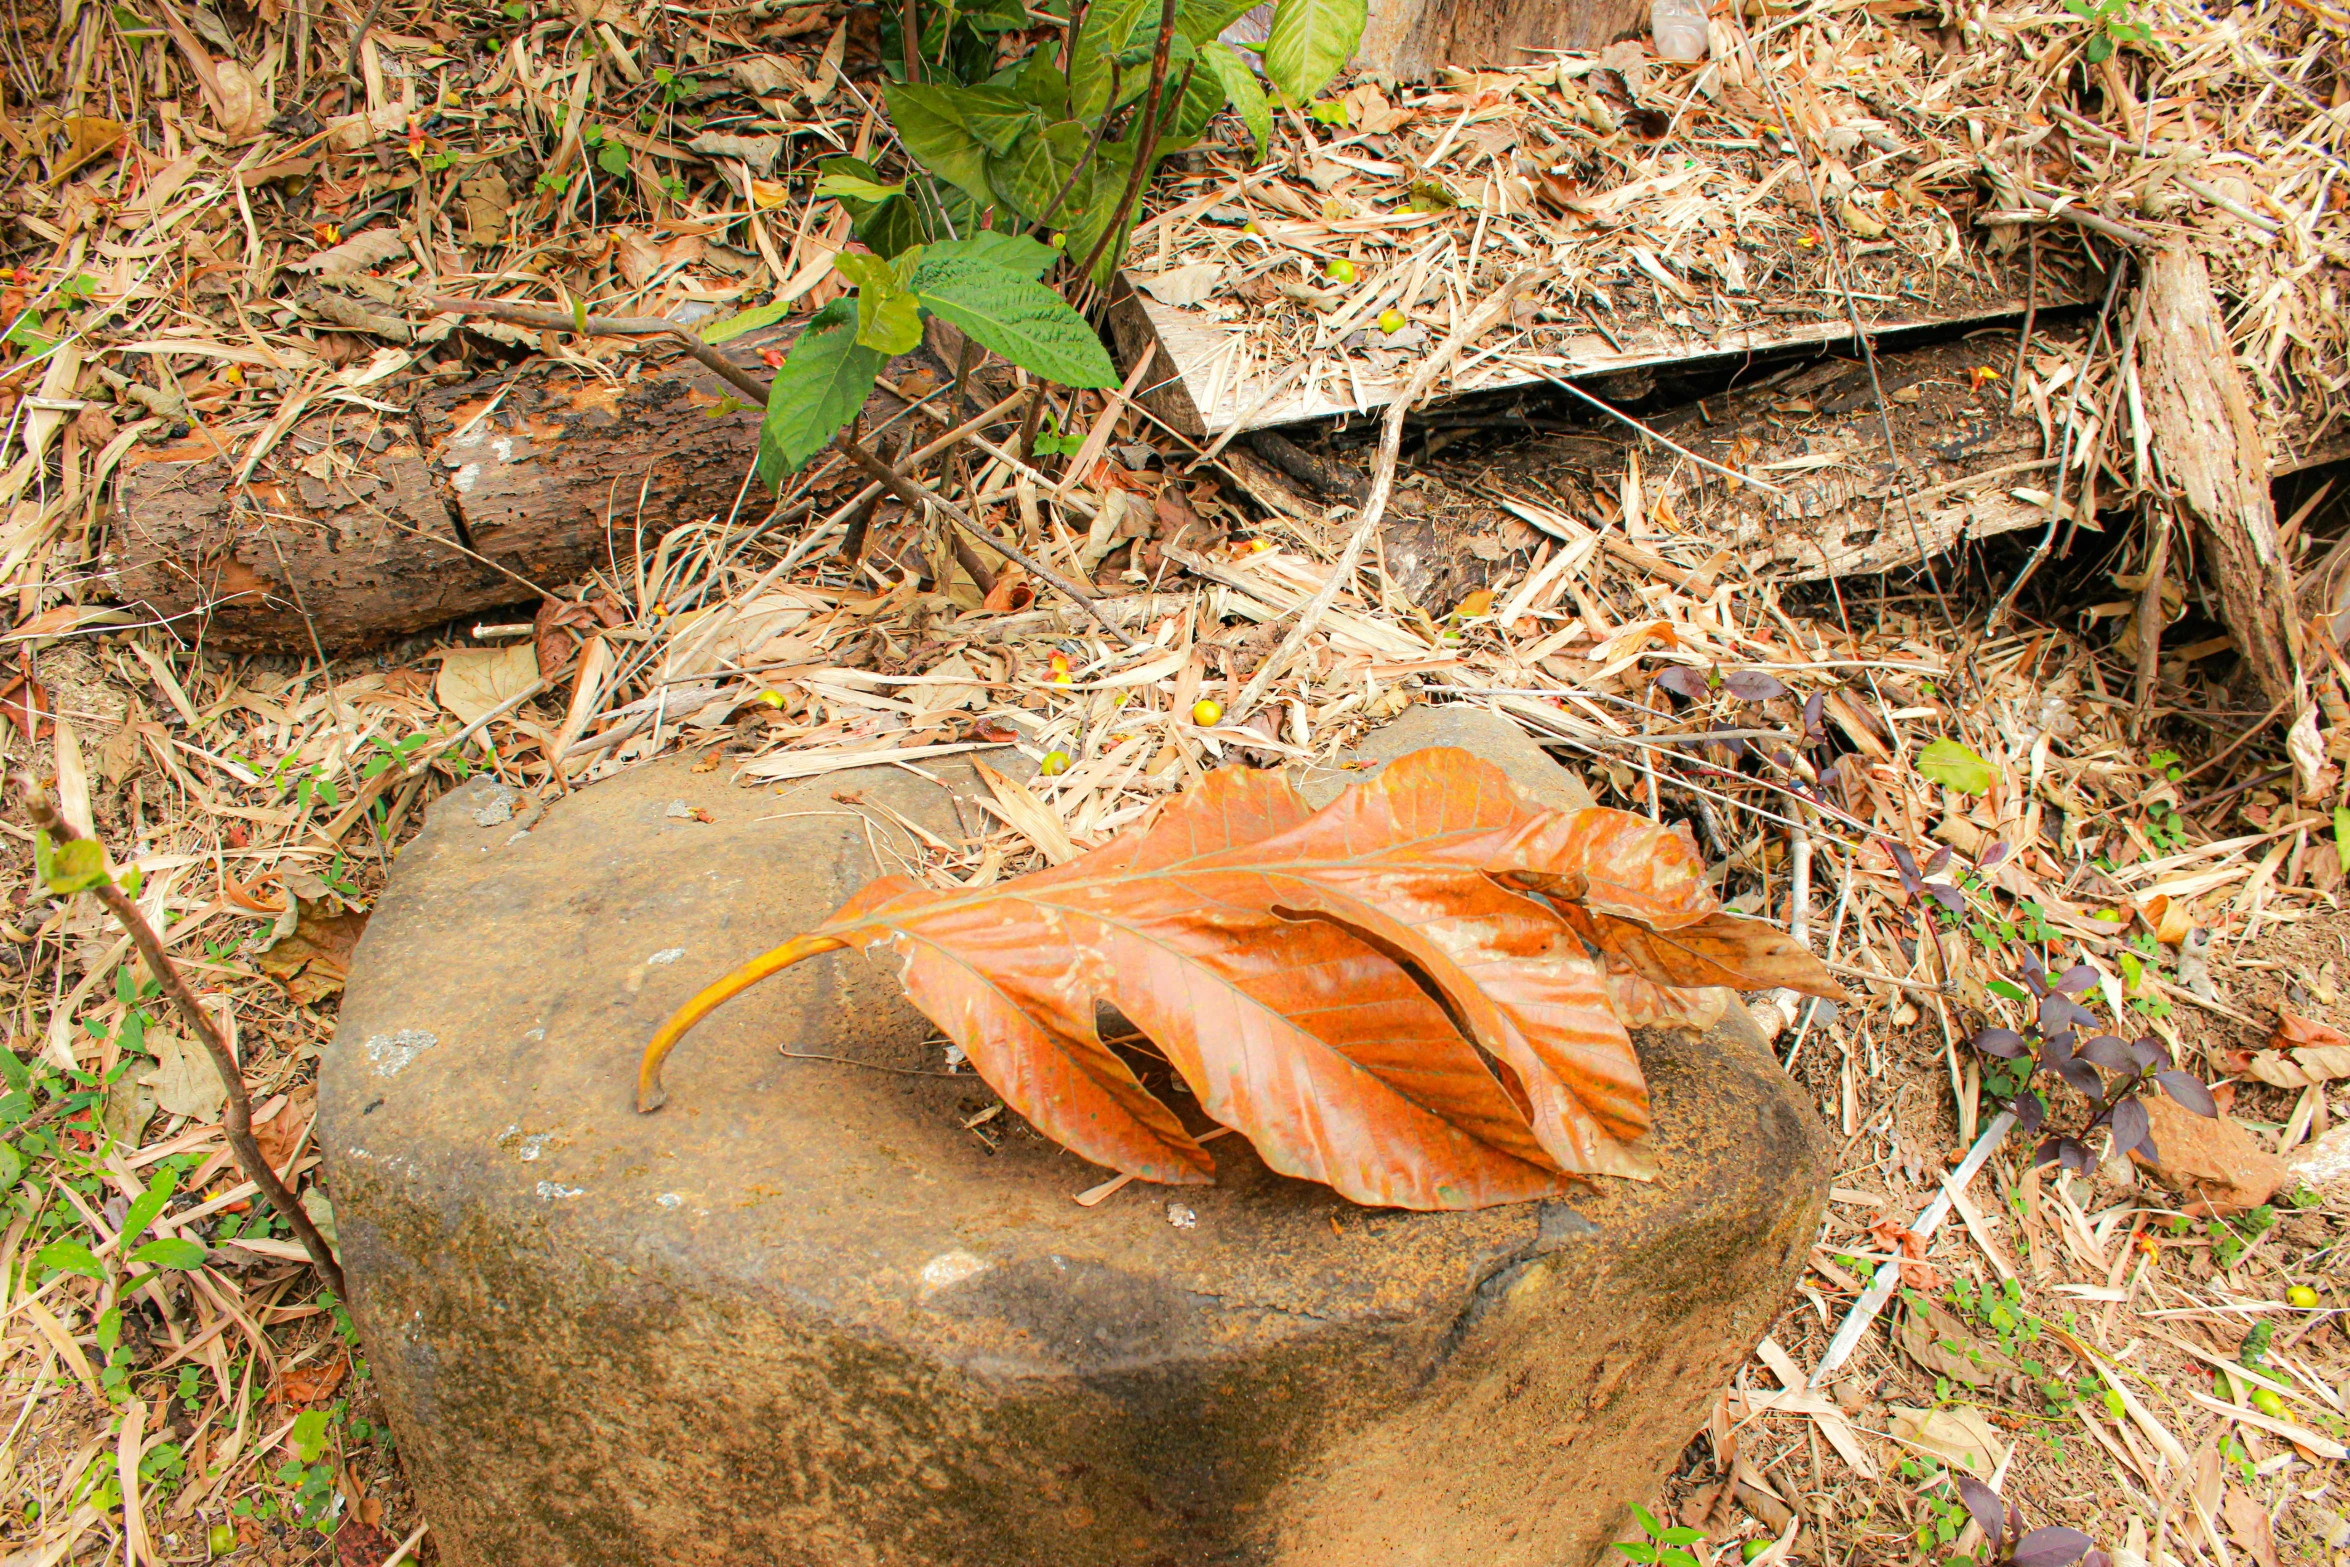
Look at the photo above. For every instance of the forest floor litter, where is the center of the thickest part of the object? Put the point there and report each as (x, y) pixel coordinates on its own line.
(221, 232)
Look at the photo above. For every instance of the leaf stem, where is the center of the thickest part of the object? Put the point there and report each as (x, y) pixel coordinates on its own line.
(237, 1115)
(650, 1095)
(1148, 146)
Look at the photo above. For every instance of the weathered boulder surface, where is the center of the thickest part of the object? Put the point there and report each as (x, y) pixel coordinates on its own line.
(808, 1314)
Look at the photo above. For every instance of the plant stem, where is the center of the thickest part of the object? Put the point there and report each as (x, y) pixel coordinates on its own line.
(237, 1116)
(918, 495)
(1146, 148)
(545, 320)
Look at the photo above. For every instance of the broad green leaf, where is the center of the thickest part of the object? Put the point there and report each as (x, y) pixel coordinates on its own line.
(182, 1256)
(1948, 763)
(1039, 83)
(727, 328)
(1310, 43)
(998, 116)
(838, 185)
(1032, 175)
(824, 381)
(2342, 835)
(1201, 20)
(996, 16)
(888, 318)
(71, 867)
(150, 1204)
(1110, 28)
(1024, 321)
(11, 1167)
(70, 1257)
(1241, 88)
(309, 1435)
(930, 129)
(15, 1073)
(1013, 252)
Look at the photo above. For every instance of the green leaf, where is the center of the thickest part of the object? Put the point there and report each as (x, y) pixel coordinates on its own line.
(727, 328)
(1637, 1550)
(309, 1435)
(71, 867)
(1240, 86)
(1110, 37)
(70, 1257)
(1201, 20)
(1948, 763)
(2003, 988)
(1031, 175)
(150, 1204)
(183, 1256)
(2342, 836)
(1024, 321)
(839, 185)
(1310, 43)
(612, 158)
(930, 128)
(1648, 1521)
(14, 1073)
(888, 317)
(1682, 1534)
(11, 1167)
(2100, 50)
(824, 381)
(1012, 252)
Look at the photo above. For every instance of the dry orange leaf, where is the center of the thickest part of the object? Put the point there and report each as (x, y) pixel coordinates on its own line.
(1289, 964)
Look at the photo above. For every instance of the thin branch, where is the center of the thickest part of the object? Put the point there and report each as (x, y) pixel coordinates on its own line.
(237, 1116)
(542, 319)
(1145, 148)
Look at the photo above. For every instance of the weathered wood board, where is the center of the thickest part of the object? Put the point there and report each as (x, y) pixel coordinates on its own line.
(1193, 387)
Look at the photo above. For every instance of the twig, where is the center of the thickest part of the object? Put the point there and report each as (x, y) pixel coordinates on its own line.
(1872, 1300)
(407, 1547)
(1382, 482)
(2119, 233)
(544, 320)
(237, 1117)
(917, 496)
(2150, 618)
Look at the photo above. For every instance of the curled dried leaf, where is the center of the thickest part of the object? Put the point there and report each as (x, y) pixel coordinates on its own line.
(1371, 993)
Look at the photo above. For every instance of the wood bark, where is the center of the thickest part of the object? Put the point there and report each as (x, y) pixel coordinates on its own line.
(2207, 445)
(360, 526)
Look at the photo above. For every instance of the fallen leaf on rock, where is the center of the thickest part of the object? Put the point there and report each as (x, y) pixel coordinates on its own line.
(2213, 1163)
(1287, 963)
(184, 1079)
(1963, 1438)
(1183, 286)
(474, 681)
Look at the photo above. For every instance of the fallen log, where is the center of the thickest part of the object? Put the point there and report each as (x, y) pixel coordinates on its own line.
(359, 526)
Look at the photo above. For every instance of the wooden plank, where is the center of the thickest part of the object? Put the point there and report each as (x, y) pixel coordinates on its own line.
(1198, 389)
(1404, 40)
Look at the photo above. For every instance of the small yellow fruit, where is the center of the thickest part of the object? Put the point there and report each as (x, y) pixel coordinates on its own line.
(2268, 1403)
(772, 698)
(1391, 321)
(1054, 764)
(1250, 227)
(1206, 712)
(2301, 1295)
(1340, 272)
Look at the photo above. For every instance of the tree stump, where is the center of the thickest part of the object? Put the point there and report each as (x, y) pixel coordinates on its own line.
(816, 1312)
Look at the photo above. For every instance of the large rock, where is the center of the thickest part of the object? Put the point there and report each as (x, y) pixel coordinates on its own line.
(816, 1313)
